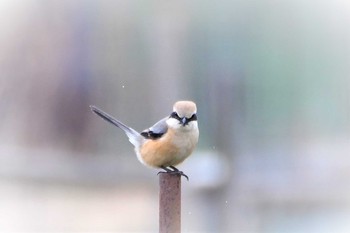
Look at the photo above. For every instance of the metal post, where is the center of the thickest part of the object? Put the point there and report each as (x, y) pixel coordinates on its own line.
(169, 203)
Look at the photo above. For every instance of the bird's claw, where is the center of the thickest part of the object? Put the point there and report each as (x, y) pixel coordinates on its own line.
(176, 172)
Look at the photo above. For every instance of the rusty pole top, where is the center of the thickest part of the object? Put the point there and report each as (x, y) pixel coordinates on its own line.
(169, 203)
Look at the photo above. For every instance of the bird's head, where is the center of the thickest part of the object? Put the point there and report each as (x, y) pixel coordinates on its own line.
(184, 115)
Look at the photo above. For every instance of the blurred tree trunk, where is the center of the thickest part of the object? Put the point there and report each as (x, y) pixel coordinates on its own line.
(168, 40)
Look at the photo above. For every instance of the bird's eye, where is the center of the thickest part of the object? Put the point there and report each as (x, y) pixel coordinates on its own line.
(193, 117)
(175, 115)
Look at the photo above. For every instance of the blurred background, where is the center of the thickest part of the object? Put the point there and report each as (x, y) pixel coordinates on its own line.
(271, 80)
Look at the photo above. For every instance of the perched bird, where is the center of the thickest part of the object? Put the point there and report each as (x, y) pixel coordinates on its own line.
(168, 142)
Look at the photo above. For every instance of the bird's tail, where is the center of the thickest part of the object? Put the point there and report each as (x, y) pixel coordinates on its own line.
(134, 137)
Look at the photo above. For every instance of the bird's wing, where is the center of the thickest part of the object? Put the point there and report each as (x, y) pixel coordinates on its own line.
(157, 130)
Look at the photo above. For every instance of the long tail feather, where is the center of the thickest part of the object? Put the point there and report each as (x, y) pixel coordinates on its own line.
(134, 137)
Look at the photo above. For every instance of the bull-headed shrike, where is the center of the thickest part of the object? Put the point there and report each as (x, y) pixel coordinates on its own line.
(168, 142)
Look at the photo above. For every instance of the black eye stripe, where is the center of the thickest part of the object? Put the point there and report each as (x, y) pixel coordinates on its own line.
(193, 117)
(176, 116)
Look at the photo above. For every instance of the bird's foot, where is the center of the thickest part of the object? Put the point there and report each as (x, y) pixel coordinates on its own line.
(175, 171)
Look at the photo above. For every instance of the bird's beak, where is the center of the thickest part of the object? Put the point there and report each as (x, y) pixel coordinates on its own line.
(184, 121)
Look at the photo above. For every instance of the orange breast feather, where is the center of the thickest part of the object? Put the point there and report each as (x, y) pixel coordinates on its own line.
(163, 152)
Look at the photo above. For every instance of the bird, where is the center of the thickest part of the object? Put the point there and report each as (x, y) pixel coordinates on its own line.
(168, 142)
